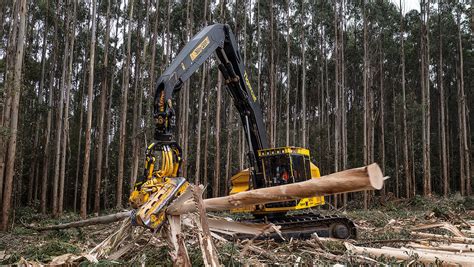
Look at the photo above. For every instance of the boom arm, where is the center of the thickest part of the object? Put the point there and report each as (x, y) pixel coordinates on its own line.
(220, 39)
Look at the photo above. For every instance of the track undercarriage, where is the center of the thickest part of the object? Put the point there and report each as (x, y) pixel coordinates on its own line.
(302, 226)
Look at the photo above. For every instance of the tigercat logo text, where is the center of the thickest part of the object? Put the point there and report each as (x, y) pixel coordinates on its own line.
(198, 50)
(250, 87)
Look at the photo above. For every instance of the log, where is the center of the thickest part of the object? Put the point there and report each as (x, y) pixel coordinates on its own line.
(465, 240)
(82, 223)
(456, 247)
(408, 254)
(232, 228)
(443, 225)
(359, 179)
(113, 241)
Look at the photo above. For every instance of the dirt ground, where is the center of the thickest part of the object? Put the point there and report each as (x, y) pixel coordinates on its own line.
(387, 224)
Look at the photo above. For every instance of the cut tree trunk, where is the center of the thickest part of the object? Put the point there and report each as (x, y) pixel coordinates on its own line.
(436, 237)
(82, 223)
(409, 254)
(352, 180)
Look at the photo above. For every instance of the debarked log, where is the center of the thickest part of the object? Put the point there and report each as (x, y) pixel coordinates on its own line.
(106, 219)
(364, 178)
(409, 254)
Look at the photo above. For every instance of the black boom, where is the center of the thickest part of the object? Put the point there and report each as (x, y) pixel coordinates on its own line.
(216, 38)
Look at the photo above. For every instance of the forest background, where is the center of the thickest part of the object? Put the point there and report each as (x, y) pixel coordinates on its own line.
(354, 81)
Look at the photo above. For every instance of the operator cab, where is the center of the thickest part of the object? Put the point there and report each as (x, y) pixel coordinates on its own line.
(285, 165)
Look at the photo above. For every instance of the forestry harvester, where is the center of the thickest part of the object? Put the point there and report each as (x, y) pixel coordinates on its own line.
(161, 183)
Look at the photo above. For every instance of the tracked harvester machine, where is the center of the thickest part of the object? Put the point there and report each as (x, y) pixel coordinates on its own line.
(161, 183)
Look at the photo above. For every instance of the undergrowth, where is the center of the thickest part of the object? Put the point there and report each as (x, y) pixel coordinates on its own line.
(374, 224)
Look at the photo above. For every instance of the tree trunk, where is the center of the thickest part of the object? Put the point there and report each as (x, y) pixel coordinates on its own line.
(142, 61)
(40, 119)
(295, 111)
(46, 156)
(337, 109)
(16, 91)
(59, 123)
(242, 143)
(382, 108)
(186, 93)
(103, 101)
(366, 101)
(303, 84)
(168, 37)
(65, 133)
(197, 178)
(79, 138)
(395, 147)
(217, 162)
(259, 51)
(83, 223)
(444, 151)
(270, 115)
(228, 161)
(217, 165)
(344, 153)
(463, 124)
(87, 149)
(9, 80)
(205, 180)
(109, 116)
(134, 122)
(288, 72)
(152, 71)
(352, 180)
(406, 156)
(123, 116)
(337, 112)
(425, 84)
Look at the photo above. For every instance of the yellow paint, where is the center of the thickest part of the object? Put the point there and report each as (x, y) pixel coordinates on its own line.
(283, 150)
(199, 48)
(246, 77)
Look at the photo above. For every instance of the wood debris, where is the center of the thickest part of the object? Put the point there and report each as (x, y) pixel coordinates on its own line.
(428, 248)
(209, 253)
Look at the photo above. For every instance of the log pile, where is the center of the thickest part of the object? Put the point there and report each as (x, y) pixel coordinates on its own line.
(452, 249)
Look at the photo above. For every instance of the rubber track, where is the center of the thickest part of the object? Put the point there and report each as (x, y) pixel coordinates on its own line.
(302, 226)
